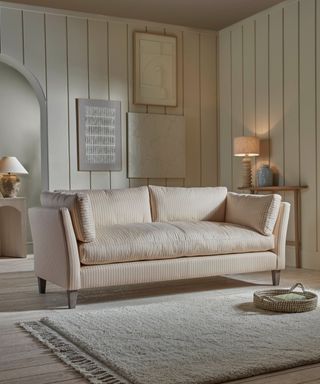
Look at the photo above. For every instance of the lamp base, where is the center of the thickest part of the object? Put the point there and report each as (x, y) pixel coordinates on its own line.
(9, 185)
(246, 173)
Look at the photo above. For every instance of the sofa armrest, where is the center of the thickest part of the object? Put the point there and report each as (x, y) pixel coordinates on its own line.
(280, 234)
(55, 247)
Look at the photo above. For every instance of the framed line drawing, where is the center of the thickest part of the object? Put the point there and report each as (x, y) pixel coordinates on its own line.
(155, 69)
(99, 135)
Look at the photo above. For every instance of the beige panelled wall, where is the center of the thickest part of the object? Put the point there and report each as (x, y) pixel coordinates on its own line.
(78, 55)
(270, 87)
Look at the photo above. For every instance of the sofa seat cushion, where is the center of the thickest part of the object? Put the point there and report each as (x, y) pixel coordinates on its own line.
(155, 241)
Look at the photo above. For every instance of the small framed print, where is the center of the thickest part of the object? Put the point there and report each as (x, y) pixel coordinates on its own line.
(155, 69)
(99, 135)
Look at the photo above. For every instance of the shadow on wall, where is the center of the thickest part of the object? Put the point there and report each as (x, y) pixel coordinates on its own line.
(20, 130)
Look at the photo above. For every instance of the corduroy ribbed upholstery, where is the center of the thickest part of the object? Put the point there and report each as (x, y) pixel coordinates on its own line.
(80, 209)
(175, 269)
(187, 204)
(258, 212)
(130, 248)
(156, 241)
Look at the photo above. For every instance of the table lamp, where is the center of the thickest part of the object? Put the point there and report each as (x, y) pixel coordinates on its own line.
(246, 147)
(10, 167)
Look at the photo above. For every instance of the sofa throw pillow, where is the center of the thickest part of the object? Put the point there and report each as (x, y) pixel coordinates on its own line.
(187, 204)
(80, 209)
(258, 212)
(120, 206)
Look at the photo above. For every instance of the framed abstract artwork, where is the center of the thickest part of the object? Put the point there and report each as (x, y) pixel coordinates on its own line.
(156, 146)
(99, 135)
(155, 69)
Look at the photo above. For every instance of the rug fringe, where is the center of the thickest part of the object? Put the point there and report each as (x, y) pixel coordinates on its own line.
(89, 368)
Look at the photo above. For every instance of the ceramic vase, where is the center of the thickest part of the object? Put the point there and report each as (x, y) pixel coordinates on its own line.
(264, 176)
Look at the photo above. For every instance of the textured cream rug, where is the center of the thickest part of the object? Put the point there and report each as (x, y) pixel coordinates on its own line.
(201, 339)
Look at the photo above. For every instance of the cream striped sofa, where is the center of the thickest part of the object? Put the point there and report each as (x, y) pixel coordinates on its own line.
(98, 238)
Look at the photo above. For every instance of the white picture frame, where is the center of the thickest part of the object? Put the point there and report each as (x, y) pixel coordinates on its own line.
(155, 69)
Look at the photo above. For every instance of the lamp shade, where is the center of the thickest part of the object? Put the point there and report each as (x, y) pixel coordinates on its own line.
(246, 146)
(11, 165)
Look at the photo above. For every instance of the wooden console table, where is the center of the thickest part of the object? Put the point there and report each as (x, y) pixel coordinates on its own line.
(13, 217)
(297, 212)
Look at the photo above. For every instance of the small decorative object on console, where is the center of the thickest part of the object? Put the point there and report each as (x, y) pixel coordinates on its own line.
(264, 176)
(9, 182)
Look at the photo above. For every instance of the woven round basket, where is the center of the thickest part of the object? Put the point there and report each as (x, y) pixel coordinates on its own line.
(265, 300)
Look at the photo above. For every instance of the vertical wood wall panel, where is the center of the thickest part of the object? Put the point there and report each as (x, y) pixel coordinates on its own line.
(225, 119)
(318, 122)
(286, 104)
(291, 93)
(158, 30)
(249, 94)
(34, 45)
(118, 72)
(131, 106)
(237, 98)
(291, 102)
(12, 33)
(209, 147)
(308, 157)
(98, 80)
(78, 88)
(57, 102)
(262, 87)
(276, 94)
(249, 100)
(192, 107)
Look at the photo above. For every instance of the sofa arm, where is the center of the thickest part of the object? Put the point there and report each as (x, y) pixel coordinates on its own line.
(55, 247)
(280, 234)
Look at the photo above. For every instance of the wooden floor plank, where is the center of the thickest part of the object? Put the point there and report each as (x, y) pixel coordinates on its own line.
(12, 374)
(24, 360)
(64, 376)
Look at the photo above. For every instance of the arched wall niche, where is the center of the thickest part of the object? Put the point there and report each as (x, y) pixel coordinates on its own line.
(35, 84)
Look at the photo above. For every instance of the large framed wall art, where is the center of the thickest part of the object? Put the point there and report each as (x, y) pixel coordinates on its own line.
(155, 69)
(99, 135)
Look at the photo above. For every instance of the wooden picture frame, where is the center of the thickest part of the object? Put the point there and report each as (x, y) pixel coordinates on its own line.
(155, 69)
(99, 135)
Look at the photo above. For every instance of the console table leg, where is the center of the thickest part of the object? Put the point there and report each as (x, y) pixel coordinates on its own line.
(297, 229)
(42, 285)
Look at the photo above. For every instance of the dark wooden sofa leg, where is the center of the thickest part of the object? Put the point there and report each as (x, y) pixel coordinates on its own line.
(72, 299)
(275, 277)
(42, 285)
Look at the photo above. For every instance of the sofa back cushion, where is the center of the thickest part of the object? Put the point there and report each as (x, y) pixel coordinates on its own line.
(187, 204)
(80, 209)
(258, 212)
(120, 206)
